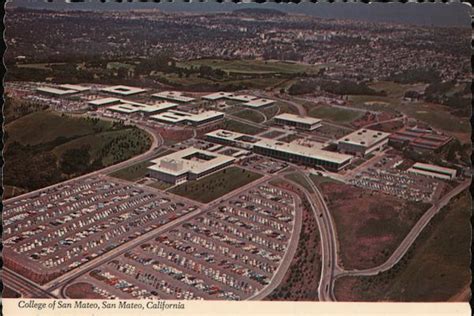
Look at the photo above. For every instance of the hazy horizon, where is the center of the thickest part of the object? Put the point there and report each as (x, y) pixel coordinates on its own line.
(429, 14)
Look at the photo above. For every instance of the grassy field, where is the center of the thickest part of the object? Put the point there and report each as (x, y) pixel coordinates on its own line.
(369, 224)
(294, 177)
(44, 147)
(250, 115)
(252, 66)
(136, 171)
(216, 185)
(241, 127)
(337, 115)
(436, 269)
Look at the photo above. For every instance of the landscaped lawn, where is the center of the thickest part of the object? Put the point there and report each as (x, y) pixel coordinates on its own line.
(216, 185)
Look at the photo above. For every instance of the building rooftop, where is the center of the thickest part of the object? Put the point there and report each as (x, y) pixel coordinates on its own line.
(173, 95)
(298, 118)
(258, 103)
(132, 107)
(434, 168)
(123, 90)
(191, 160)
(217, 95)
(179, 116)
(104, 101)
(364, 137)
(56, 91)
(74, 87)
(225, 134)
(294, 148)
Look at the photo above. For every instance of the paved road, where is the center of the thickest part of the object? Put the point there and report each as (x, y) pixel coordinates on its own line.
(287, 257)
(411, 237)
(23, 285)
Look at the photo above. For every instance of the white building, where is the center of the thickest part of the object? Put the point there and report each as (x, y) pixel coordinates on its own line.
(187, 164)
(258, 103)
(128, 107)
(363, 142)
(300, 122)
(122, 90)
(176, 96)
(186, 118)
(56, 91)
(433, 171)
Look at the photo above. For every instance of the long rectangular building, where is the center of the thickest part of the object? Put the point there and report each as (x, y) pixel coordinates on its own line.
(306, 123)
(180, 117)
(296, 153)
(188, 164)
(363, 142)
(128, 107)
(420, 139)
(433, 171)
(176, 96)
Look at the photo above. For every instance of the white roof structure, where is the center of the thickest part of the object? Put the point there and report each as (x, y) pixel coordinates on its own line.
(225, 134)
(300, 150)
(217, 96)
(123, 90)
(56, 91)
(241, 97)
(104, 101)
(257, 103)
(298, 118)
(173, 96)
(74, 87)
(433, 170)
(181, 117)
(364, 137)
(192, 160)
(128, 107)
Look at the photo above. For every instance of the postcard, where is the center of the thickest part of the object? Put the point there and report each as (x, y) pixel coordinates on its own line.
(205, 158)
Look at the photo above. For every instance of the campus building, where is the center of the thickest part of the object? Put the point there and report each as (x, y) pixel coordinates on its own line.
(296, 153)
(229, 96)
(362, 142)
(128, 107)
(175, 96)
(186, 118)
(298, 121)
(292, 152)
(258, 103)
(420, 139)
(187, 164)
(122, 90)
(56, 91)
(433, 171)
(104, 101)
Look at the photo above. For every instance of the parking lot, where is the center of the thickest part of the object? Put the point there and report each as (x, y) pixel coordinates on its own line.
(228, 253)
(385, 177)
(63, 227)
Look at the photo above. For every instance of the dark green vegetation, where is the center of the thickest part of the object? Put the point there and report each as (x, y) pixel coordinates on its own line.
(237, 126)
(300, 282)
(436, 268)
(44, 147)
(425, 75)
(216, 185)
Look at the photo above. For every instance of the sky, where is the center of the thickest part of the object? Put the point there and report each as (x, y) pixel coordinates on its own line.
(429, 14)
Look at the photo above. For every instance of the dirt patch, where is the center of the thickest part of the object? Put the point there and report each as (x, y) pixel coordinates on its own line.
(82, 290)
(370, 225)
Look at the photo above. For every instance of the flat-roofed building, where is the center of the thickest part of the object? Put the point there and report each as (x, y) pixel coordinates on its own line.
(363, 142)
(127, 107)
(299, 121)
(186, 118)
(104, 101)
(74, 87)
(433, 171)
(123, 90)
(296, 153)
(188, 164)
(231, 138)
(217, 96)
(176, 96)
(56, 91)
(258, 103)
(420, 139)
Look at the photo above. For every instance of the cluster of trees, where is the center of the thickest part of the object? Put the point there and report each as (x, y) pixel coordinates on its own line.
(426, 75)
